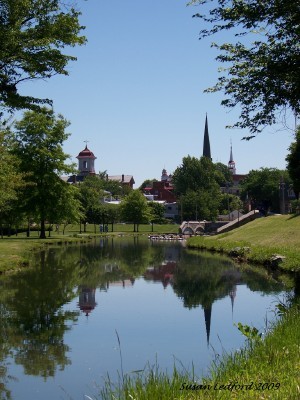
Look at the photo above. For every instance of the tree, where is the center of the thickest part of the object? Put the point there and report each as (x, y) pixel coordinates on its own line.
(91, 195)
(68, 208)
(134, 209)
(147, 183)
(33, 34)
(230, 202)
(196, 185)
(39, 139)
(293, 163)
(157, 212)
(262, 187)
(11, 177)
(263, 76)
(223, 175)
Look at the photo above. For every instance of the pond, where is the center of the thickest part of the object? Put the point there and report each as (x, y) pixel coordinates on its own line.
(84, 312)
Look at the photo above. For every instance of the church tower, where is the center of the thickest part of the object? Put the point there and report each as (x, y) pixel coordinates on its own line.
(86, 162)
(231, 163)
(206, 144)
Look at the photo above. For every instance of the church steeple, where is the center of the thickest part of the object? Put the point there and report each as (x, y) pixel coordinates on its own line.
(231, 163)
(206, 144)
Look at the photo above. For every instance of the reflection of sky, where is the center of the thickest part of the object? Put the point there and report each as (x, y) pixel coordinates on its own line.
(152, 324)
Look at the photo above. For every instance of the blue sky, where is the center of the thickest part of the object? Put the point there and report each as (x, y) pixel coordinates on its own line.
(136, 93)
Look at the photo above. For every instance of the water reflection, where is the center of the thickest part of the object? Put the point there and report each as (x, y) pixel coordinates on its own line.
(36, 306)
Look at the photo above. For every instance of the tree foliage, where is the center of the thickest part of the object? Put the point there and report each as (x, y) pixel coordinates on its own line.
(262, 188)
(262, 76)
(11, 177)
(134, 209)
(39, 140)
(293, 163)
(147, 183)
(33, 34)
(196, 184)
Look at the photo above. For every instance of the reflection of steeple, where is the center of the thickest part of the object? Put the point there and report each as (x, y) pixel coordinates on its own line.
(207, 316)
(232, 295)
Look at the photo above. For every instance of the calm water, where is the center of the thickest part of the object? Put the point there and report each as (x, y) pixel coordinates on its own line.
(60, 320)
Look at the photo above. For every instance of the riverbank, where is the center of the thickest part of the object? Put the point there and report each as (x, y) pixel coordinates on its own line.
(15, 250)
(272, 241)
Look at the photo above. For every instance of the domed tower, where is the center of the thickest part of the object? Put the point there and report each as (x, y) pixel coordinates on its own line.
(164, 175)
(231, 163)
(86, 160)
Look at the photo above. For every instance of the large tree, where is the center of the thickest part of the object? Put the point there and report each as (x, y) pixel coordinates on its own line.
(134, 209)
(33, 34)
(262, 188)
(39, 140)
(196, 185)
(262, 76)
(293, 163)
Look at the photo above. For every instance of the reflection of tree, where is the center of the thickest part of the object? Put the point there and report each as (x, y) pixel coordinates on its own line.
(116, 260)
(37, 322)
(202, 279)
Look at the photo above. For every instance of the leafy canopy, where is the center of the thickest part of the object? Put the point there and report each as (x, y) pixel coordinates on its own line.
(293, 163)
(33, 34)
(262, 187)
(262, 76)
(39, 147)
(196, 182)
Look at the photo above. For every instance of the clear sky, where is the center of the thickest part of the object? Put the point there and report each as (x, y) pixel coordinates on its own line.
(136, 93)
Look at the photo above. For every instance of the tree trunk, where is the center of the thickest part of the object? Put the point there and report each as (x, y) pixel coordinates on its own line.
(43, 230)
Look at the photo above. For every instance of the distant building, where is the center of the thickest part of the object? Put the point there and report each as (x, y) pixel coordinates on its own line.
(125, 180)
(86, 167)
(163, 189)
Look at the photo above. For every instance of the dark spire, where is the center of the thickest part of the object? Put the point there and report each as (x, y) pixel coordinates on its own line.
(206, 144)
(207, 317)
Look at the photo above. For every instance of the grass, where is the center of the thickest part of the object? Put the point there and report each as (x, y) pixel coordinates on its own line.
(266, 368)
(258, 241)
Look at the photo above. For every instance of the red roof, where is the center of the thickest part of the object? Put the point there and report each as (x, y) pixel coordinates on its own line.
(86, 153)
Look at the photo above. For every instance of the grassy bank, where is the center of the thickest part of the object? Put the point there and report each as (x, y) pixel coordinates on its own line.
(266, 368)
(15, 250)
(258, 241)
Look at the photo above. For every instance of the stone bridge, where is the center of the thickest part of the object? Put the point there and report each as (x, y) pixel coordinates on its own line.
(192, 227)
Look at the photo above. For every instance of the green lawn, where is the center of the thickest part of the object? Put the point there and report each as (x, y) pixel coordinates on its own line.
(259, 240)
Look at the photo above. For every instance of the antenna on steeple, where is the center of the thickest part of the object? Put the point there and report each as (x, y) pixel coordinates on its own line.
(231, 156)
(86, 142)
